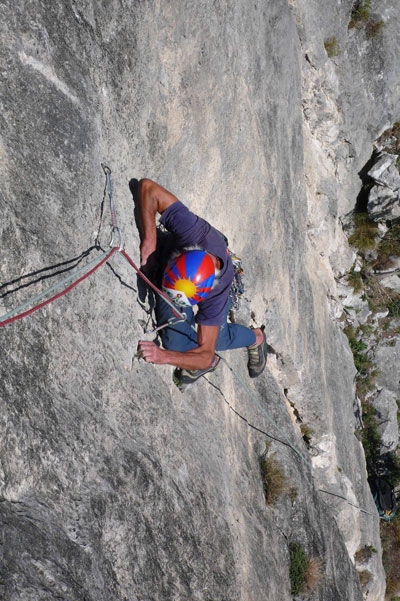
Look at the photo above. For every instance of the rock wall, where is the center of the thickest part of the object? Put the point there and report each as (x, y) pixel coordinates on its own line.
(114, 485)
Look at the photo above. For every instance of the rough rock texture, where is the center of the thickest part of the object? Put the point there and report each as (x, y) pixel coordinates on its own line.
(114, 485)
(383, 198)
(387, 357)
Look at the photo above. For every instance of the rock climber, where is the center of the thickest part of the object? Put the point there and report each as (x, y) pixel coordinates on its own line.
(195, 269)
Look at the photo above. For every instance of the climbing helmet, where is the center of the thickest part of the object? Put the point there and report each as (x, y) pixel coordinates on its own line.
(188, 277)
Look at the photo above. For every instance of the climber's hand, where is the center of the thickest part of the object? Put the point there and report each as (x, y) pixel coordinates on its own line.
(150, 352)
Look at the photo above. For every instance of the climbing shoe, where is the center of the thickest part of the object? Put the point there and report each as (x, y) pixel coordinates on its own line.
(257, 357)
(183, 377)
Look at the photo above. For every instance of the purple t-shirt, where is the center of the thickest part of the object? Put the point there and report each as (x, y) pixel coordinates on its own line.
(188, 229)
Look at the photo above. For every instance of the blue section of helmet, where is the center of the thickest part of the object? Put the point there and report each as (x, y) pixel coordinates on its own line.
(193, 260)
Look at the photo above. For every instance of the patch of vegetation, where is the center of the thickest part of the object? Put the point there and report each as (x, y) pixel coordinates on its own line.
(331, 47)
(365, 237)
(298, 568)
(390, 244)
(305, 572)
(306, 432)
(394, 306)
(364, 554)
(361, 17)
(367, 329)
(355, 279)
(365, 577)
(313, 574)
(388, 330)
(365, 383)
(387, 301)
(382, 299)
(387, 248)
(365, 231)
(379, 298)
(273, 477)
(373, 28)
(360, 13)
(357, 346)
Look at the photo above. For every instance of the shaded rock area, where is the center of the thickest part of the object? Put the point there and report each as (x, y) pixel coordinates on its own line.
(113, 484)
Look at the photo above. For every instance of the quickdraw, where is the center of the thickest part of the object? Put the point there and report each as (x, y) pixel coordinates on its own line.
(116, 244)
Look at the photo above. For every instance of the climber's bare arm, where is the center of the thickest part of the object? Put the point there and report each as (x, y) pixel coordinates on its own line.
(200, 357)
(152, 199)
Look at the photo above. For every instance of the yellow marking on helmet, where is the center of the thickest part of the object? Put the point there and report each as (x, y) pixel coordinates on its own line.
(186, 286)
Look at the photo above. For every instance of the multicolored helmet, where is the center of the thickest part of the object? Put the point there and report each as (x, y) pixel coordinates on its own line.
(188, 278)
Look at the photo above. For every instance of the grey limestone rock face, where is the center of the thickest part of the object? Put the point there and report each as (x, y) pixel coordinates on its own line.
(388, 366)
(383, 198)
(113, 484)
(386, 406)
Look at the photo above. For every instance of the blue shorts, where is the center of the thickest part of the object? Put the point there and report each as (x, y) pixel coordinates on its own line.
(182, 337)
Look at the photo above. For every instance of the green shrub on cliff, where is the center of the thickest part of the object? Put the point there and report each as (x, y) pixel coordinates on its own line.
(304, 572)
(365, 230)
(331, 47)
(361, 17)
(273, 477)
(298, 568)
(360, 13)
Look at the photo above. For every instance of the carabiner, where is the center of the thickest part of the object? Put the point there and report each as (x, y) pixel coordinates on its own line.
(112, 243)
(170, 322)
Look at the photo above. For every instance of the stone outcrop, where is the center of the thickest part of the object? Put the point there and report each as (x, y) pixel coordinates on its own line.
(383, 198)
(113, 484)
(374, 317)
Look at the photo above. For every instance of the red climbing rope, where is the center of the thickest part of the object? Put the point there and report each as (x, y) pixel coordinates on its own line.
(179, 316)
(153, 286)
(59, 294)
